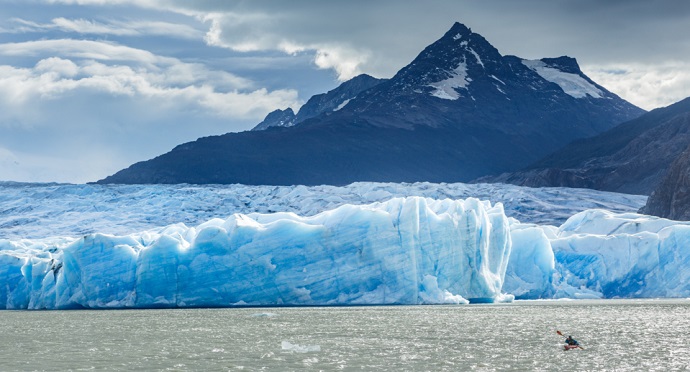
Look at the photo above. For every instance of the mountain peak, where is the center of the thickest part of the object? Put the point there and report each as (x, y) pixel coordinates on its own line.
(277, 118)
(452, 62)
(457, 31)
(458, 111)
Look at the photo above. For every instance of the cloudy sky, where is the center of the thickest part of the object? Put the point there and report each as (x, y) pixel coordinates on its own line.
(88, 87)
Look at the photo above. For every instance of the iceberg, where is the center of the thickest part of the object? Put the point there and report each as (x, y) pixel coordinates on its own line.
(403, 251)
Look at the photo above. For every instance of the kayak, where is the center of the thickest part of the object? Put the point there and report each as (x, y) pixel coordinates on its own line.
(570, 347)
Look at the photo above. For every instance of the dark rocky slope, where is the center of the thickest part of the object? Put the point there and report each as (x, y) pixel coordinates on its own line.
(631, 158)
(671, 199)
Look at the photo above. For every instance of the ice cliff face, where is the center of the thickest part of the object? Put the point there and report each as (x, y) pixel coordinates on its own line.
(624, 255)
(404, 251)
(410, 250)
(599, 254)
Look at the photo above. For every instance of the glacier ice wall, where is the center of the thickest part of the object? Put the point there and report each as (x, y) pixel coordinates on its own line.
(403, 251)
(532, 265)
(623, 255)
(600, 254)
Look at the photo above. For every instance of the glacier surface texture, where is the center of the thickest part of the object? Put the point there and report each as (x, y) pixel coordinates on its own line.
(35, 211)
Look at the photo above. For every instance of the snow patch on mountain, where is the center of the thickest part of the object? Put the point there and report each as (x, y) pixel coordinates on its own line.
(343, 104)
(476, 55)
(572, 84)
(446, 89)
(497, 79)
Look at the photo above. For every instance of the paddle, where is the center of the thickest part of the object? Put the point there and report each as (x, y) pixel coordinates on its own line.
(561, 334)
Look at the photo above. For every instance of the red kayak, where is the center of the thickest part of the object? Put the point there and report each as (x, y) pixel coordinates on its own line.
(570, 347)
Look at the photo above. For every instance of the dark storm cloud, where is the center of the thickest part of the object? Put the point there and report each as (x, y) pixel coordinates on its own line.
(388, 34)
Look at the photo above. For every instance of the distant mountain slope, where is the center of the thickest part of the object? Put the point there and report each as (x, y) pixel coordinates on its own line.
(671, 198)
(459, 111)
(632, 157)
(334, 100)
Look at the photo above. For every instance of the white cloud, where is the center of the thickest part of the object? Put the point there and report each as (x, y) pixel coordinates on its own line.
(347, 62)
(167, 69)
(647, 86)
(242, 33)
(112, 27)
(257, 32)
(86, 109)
(149, 3)
(178, 84)
(98, 50)
(59, 66)
(376, 37)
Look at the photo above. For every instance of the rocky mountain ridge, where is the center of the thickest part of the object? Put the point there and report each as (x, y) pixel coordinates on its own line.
(333, 100)
(458, 111)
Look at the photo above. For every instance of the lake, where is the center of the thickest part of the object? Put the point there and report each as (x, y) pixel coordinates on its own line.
(646, 335)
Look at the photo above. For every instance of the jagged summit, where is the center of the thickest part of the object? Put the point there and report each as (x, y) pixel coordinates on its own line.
(458, 28)
(458, 54)
(332, 101)
(277, 118)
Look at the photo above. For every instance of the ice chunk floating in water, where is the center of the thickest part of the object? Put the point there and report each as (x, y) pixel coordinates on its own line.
(403, 251)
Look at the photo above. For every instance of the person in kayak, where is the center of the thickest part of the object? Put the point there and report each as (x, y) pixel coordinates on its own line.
(571, 341)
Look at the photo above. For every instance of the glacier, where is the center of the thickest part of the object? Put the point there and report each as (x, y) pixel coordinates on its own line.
(329, 246)
(403, 251)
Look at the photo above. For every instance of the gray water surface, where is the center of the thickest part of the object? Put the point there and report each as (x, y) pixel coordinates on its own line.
(635, 335)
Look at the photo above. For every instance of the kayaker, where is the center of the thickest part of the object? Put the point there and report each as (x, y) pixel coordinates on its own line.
(571, 341)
